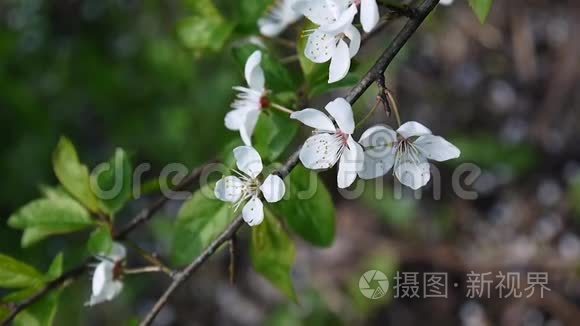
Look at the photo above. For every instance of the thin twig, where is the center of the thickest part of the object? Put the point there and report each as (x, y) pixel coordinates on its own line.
(141, 270)
(378, 69)
(152, 259)
(142, 217)
(232, 268)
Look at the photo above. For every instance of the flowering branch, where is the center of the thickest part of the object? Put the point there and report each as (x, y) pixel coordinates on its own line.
(372, 75)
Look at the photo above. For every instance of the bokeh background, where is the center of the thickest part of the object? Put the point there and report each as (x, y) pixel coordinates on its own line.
(125, 73)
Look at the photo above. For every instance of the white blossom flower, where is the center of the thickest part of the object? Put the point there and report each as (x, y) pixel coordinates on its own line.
(280, 16)
(247, 187)
(446, 2)
(328, 41)
(250, 101)
(406, 151)
(331, 144)
(369, 14)
(107, 282)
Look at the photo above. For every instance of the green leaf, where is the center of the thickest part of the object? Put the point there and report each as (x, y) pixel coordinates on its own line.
(16, 274)
(205, 29)
(55, 269)
(481, 8)
(199, 221)
(113, 181)
(45, 217)
(250, 11)
(278, 78)
(41, 313)
(73, 175)
(308, 207)
(273, 133)
(100, 241)
(21, 295)
(322, 86)
(273, 253)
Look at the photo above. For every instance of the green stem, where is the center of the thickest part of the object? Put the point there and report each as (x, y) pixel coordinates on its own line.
(281, 108)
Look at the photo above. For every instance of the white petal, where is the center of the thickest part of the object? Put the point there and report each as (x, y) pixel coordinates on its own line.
(320, 151)
(436, 148)
(248, 126)
(253, 212)
(341, 111)
(378, 145)
(412, 173)
(113, 289)
(378, 135)
(351, 162)
(446, 2)
(235, 118)
(369, 14)
(339, 63)
(413, 128)
(354, 36)
(320, 46)
(320, 12)
(248, 160)
(118, 252)
(270, 28)
(345, 19)
(273, 188)
(314, 118)
(229, 189)
(253, 72)
(102, 276)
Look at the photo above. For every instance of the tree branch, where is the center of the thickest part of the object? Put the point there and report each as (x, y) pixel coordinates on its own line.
(142, 217)
(377, 70)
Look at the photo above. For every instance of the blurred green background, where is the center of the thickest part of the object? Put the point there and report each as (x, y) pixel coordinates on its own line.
(151, 77)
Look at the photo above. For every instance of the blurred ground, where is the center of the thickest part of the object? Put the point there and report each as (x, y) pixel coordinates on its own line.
(109, 73)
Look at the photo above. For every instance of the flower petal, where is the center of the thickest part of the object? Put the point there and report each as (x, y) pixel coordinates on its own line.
(112, 290)
(320, 151)
(273, 188)
(229, 189)
(341, 111)
(320, 46)
(369, 14)
(235, 118)
(412, 173)
(320, 12)
(270, 27)
(354, 36)
(345, 19)
(436, 148)
(351, 162)
(248, 126)
(253, 72)
(339, 63)
(314, 118)
(248, 160)
(103, 274)
(379, 151)
(117, 252)
(253, 212)
(413, 128)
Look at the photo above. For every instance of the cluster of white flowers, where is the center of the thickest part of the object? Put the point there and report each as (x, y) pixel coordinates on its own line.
(379, 149)
(335, 39)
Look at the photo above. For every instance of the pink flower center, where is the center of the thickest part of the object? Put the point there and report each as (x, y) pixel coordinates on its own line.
(342, 136)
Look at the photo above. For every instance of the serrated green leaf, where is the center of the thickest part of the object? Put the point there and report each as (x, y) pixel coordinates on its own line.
(100, 241)
(481, 8)
(199, 221)
(41, 313)
(16, 274)
(278, 77)
(113, 182)
(273, 133)
(307, 207)
(73, 175)
(45, 217)
(273, 253)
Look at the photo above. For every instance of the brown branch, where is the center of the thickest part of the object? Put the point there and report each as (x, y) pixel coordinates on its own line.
(142, 217)
(377, 70)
